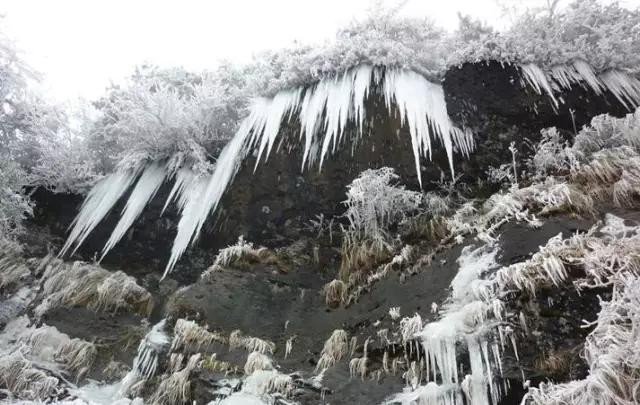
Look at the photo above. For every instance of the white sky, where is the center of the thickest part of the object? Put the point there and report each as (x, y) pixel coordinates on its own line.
(80, 46)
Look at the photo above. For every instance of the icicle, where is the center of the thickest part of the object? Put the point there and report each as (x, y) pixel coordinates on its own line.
(204, 196)
(587, 74)
(564, 76)
(146, 187)
(626, 88)
(145, 363)
(272, 112)
(97, 205)
(423, 107)
(183, 182)
(538, 80)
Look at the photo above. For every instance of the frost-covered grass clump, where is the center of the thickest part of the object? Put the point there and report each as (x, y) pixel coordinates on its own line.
(603, 163)
(188, 336)
(82, 284)
(375, 202)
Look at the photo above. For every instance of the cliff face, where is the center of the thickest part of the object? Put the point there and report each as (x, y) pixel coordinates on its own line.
(280, 297)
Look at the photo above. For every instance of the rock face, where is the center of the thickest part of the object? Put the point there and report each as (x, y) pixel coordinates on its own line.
(283, 299)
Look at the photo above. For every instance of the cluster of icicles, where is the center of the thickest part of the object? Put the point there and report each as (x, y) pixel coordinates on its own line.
(323, 110)
(624, 87)
(471, 317)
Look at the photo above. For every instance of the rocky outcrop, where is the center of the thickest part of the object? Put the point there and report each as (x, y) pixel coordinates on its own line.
(281, 300)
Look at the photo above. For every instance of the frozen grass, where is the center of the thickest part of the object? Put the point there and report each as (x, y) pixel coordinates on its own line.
(250, 343)
(257, 361)
(176, 388)
(78, 356)
(243, 251)
(25, 381)
(83, 284)
(188, 336)
(13, 267)
(334, 293)
(335, 348)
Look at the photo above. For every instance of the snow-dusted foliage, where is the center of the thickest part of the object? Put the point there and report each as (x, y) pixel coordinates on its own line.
(587, 44)
(605, 35)
(170, 113)
(382, 38)
(14, 204)
(603, 163)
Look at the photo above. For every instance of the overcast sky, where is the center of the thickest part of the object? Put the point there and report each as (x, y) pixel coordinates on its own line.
(81, 45)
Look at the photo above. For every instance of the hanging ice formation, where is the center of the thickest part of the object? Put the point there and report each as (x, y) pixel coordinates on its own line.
(472, 316)
(145, 363)
(623, 86)
(323, 112)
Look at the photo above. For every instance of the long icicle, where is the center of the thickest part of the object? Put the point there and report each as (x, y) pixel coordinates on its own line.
(146, 187)
(101, 199)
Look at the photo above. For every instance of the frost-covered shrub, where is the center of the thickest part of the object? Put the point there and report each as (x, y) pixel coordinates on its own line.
(603, 163)
(551, 154)
(382, 38)
(604, 35)
(165, 114)
(65, 161)
(375, 201)
(14, 203)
